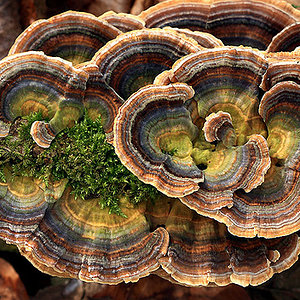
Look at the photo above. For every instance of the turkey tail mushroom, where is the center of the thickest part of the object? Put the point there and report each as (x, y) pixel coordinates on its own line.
(74, 36)
(33, 82)
(236, 22)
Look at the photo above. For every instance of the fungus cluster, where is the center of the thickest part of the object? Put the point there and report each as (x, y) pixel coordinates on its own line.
(199, 100)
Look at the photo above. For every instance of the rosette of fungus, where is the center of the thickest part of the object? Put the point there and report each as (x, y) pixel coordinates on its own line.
(156, 139)
(33, 82)
(133, 59)
(236, 22)
(74, 36)
(204, 132)
(235, 113)
(69, 237)
(203, 252)
(77, 238)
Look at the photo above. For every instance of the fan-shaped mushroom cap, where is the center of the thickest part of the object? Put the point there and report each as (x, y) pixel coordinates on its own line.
(92, 245)
(286, 40)
(101, 99)
(271, 210)
(236, 22)
(133, 59)
(74, 36)
(32, 82)
(204, 39)
(202, 252)
(226, 79)
(75, 237)
(154, 137)
(23, 203)
(124, 22)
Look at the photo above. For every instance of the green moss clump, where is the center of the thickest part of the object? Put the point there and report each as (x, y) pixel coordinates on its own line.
(80, 154)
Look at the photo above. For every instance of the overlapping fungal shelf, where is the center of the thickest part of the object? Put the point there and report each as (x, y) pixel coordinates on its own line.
(90, 240)
(202, 251)
(32, 81)
(73, 36)
(236, 22)
(214, 128)
(135, 58)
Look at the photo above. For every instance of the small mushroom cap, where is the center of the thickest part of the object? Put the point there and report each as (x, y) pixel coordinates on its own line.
(135, 58)
(122, 21)
(100, 99)
(74, 36)
(33, 82)
(154, 137)
(202, 252)
(218, 127)
(236, 22)
(286, 40)
(42, 133)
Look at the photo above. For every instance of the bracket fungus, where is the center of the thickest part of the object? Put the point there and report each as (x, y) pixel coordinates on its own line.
(32, 82)
(236, 22)
(74, 36)
(203, 252)
(286, 69)
(149, 126)
(215, 126)
(76, 238)
(218, 127)
(238, 93)
(133, 59)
